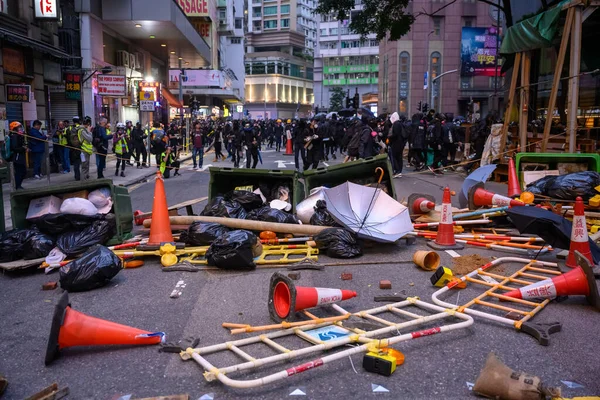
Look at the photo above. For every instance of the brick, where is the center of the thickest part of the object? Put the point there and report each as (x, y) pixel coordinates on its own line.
(49, 285)
(294, 275)
(346, 276)
(385, 284)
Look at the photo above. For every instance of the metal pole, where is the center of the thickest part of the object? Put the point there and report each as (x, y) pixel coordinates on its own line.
(496, 105)
(434, 81)
(574, 69)
(181, 73)
(265, 94)
(47, 158)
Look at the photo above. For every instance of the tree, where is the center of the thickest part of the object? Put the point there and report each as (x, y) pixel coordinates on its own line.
(391, 19)
(336, 100)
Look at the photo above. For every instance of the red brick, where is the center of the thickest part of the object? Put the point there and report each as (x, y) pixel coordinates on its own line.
(385, 284)
(49, 285)
(346, 276)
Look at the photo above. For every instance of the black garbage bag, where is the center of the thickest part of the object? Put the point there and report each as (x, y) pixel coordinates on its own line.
(268, 214)
(76, 242)
(203, 233)
(339, 243)
(567, 187)
(94, 269)
(37, 246)
(219, 207)
(57, 224)
(321, 217)
(250, 201)
(12, 243)
(233, 250)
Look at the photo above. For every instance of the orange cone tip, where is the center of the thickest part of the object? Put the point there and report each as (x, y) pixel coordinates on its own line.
(160, 230)
(572, 283)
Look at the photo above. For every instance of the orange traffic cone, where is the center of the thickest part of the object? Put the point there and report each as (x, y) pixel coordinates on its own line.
(288, 148)
(479, 197)
(444, 239)
(160, 230)
(71, 328)
(285, 298)
(579, 281)
(579, 236)
(514, 188)
(419, 203)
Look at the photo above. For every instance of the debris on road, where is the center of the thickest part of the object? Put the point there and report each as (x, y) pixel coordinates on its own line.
(50, 285)
(465, 264)
(385, 284)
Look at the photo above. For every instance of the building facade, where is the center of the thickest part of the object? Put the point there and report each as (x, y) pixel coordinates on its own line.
(433, 48)
(279, 70)
(344, 60)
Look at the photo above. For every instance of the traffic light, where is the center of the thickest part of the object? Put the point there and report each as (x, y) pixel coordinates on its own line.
(355, 101)
(419, 107)
(425, 108)
(347, 102)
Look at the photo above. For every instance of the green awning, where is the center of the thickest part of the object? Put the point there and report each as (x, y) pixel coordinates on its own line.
(533, 33)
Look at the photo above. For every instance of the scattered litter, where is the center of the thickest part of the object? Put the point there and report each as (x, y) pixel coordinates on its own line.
(51, 392)
(427, 260)
(385, 284)
(339, 243)
(411, 284)
(572, 385)
(465, 264)
(178, 290)
(453, 253)
(327, 333)
(346, 276)
(94, 269)
(208, 396)
(378, 389)
(470, 385)
(300, 391)
(488, 279)
(50, 285)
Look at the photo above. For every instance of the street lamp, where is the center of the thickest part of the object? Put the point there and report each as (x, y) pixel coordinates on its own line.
(434, 80)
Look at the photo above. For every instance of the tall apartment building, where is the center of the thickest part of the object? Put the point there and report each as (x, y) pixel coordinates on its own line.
(307, 23)
(231, 51)
(279, 72)
(342, 59)
(433, 47)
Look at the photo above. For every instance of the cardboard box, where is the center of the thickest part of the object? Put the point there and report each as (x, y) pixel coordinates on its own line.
(569, 168)
(532, 176)
(82, 194)
(43, 206)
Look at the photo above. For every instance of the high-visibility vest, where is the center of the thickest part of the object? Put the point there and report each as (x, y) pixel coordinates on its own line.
(121, 145)
(163, 162)
(85, 145)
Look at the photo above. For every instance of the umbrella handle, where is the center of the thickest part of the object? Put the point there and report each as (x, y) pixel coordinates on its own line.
(381, 173)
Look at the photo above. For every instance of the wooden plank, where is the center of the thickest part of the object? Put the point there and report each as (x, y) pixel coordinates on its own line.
(186, 204)
(573, 83)
(21, 264)
(511, 95)
(556, 80)
(524, 101)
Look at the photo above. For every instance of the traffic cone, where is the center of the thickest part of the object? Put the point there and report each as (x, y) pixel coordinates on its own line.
(577, 282)
(288, 148)
(444, 239)
(514, 188)
(479, 197)
(419, 203)
(285, 298)
(579, 236)
(71, 328)
(160, 229)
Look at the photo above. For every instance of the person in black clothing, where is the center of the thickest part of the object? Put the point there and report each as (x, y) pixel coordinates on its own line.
(365, 148)
(398, 137)
(19, 149)
(278, 133)
(435, 143)
(299, 135)
(251, 143)
(419, 128)
(237, 139)
(313, 145)
(449, 142)
(137, 137)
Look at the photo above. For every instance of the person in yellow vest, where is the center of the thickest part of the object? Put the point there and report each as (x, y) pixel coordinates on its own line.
(129, 139)
(121, 149)
(168, 162)
(84, 134)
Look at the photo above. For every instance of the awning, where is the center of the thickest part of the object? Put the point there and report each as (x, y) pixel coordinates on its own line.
(172, 100)
(36, 45)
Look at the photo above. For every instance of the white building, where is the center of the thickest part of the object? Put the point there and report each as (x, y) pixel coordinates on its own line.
(343, 60)
(231, 48)
(307, 22)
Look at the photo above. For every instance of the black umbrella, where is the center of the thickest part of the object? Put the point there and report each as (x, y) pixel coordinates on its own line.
(366, 112)
(551, 227)
(347, 112)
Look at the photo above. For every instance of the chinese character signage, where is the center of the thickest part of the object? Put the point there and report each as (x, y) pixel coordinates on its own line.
(46, 8)
(73, 86)
(478, 52)
(112, 85)
(18, 93)
(147, 105)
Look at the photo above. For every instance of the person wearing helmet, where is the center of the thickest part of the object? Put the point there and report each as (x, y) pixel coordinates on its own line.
(278, 133)
(101, 137)
(121, 149)
(18, 151)
(86, 138)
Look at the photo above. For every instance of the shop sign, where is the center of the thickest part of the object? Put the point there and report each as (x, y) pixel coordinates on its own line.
(194, 8)
(198, 77)
(204, 29)
(73, 86)
(112, 85)
(46, 8)
(478, 52)
(13, 60)
(147, 105)
(18, 93)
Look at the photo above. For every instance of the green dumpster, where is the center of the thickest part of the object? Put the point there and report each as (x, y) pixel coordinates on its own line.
(553, 159)
(19, 202)
(223, 180)
(361, 172)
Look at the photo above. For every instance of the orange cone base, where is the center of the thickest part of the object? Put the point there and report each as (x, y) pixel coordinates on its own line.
(289, 151)
(583, 248)
(421, 203)
(436, 246)
(285, 298)
(84, 330)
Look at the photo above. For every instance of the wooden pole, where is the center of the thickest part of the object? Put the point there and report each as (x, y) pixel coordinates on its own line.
(574, 70)
(556, 80)
(509, 102)
(524, 102)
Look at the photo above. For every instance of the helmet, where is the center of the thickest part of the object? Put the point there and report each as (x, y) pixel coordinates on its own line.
(120, 125)
(14, 125)
(289, 121)
(87, 120)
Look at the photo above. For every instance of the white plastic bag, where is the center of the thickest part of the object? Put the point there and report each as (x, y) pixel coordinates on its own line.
(78, 206)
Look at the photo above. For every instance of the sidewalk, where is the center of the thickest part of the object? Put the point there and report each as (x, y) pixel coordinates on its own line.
(133, 175)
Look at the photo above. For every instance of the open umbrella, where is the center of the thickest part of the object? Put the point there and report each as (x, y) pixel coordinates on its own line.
(366, 112)
(369, 212)
(320, 115)
(551, 227)
(481, 174)
(347, 112)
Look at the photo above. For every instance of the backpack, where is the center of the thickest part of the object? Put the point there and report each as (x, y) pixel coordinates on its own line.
(354, 143)
(74, 137)
(6, 149)
(157, 144)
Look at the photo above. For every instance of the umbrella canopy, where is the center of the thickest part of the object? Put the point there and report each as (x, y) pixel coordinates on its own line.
(369, 212)
(366, 112)
(553, 228)
(481, 174)
(347, 112)
(331, 114)
(320, 115)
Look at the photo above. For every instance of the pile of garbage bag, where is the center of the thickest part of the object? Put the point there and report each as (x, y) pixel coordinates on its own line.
(220, 207)
(567, 187)
(203, 233)
(338, 243)
(24, 243)
(321, 216)
(94, 269)
(268, 214)
(76, 242)
(234, 250)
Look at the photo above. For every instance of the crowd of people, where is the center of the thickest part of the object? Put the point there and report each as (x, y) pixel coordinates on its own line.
(429, 141)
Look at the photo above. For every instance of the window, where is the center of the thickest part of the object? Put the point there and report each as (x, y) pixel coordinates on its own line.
(344, 31)
(437, 26)
(235, 40)
(256, 12)
(333, 31)
(403, 82)
(285, 9)
(323, 32)
(435, 67)
(466, 82)
(238, 23)
(222, 14)
(468, 21)
(270, 24)
(285, 23)
(374, 43)
(271, 10)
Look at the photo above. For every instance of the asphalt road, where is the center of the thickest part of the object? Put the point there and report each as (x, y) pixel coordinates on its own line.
(436, 367)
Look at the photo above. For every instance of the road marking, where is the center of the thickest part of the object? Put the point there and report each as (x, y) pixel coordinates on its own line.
(282, 163)
(298, 392)
(325, 164)
(178, 290)
(205, 167)
(378, 388)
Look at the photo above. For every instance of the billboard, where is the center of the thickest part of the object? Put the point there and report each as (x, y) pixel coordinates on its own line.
(478, 52)
(112, 85)
(45, 8)
(198, 77)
